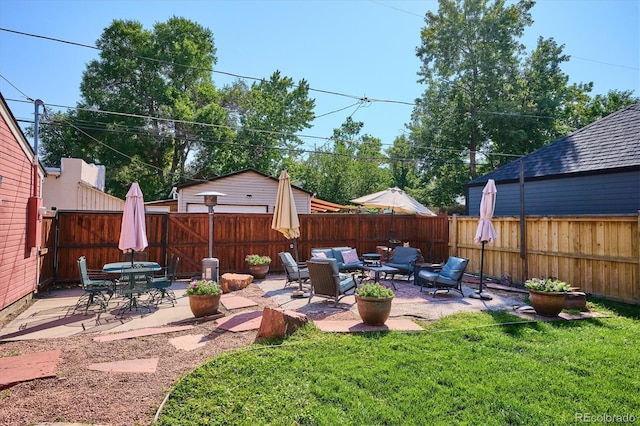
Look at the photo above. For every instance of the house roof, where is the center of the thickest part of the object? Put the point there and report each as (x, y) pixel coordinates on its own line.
(322, 206)
(184, 185)
(609, 144)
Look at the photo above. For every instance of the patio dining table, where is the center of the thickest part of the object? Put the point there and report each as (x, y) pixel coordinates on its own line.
(133, 279)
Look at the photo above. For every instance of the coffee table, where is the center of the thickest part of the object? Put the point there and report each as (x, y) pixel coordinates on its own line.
(377, 270)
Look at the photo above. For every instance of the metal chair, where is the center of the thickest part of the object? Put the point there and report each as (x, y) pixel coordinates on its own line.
(95, 290)
(160, 286)
(327, 281)
(132, 284)
(292, 269)
(404, 260)
(449, 278)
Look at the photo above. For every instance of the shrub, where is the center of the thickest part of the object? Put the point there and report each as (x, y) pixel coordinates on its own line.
(374, 290)
(203, 287)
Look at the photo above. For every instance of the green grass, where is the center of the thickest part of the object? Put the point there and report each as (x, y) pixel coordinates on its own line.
(465, 369)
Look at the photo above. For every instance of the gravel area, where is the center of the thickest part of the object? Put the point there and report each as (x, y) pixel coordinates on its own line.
(81, 395)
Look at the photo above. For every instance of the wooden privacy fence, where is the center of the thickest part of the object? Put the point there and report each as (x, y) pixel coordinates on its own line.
(95, 235)
(596, 253)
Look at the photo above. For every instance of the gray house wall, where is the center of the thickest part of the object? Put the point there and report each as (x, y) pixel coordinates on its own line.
(611, 193)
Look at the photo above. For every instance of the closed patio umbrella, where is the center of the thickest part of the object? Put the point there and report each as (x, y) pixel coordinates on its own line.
(396, 200)
(485, 232)
(133, 231)
(285, 219)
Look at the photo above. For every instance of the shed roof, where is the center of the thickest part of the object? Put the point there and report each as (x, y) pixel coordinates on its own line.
(322, 206)
(184, 185)
(609, 144)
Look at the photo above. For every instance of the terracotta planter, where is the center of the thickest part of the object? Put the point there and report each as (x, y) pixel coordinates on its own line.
(547, 303)
(374, 310)
(259, 271)
(204, 304)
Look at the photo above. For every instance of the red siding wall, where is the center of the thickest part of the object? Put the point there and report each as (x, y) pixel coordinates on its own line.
(18, 263)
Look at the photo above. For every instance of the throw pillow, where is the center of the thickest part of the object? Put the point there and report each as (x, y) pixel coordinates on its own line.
(350, 256)
(321, 255)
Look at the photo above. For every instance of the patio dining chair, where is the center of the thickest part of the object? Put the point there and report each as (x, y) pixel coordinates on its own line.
(160, 286)
(96, 291)
(327, 281)
(291, 267)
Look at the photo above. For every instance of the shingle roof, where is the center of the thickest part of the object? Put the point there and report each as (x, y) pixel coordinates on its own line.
(613, 142)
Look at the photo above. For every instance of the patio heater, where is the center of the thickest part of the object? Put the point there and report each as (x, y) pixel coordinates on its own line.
(210, 265)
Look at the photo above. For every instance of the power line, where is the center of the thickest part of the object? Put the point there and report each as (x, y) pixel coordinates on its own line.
(208, 69)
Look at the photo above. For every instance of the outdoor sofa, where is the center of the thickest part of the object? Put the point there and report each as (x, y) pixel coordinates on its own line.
(352, 263)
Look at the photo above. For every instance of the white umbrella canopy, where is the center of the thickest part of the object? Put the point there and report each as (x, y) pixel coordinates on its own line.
(285, 220)
(485, 233)
(133, 231)
(285, 216)
(394, 199)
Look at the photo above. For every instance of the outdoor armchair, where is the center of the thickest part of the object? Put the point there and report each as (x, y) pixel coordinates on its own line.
(327, 281)
(292, 268)
(449, 278)
(96, 291)
(404, 259)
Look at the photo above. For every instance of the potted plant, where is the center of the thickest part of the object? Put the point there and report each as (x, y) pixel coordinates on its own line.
(547, 295)
(204, 297)
(374, 303)
(258, 265)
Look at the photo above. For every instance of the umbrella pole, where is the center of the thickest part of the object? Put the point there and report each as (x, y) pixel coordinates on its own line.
(480, 294)
(300, 292)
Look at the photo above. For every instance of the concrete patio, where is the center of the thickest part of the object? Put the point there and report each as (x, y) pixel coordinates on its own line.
(52, 314)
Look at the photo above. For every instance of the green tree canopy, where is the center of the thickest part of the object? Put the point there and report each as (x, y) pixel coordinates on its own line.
(486, 101)
(346, 167)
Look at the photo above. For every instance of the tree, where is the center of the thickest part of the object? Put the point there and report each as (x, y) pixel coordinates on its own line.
(486, 101)
(346, 167)
(141, 101)
(265, 118)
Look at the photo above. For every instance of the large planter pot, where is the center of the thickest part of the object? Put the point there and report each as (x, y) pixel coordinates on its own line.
(204, 304)
(547, 303)
(374, 310)
(259, 271)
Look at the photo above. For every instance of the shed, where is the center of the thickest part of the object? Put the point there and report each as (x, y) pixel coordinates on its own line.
(20, 213)
(595, 170)
(247, 191)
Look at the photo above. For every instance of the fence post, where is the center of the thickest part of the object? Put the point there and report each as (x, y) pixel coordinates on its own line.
(637, 284)
(453, 237)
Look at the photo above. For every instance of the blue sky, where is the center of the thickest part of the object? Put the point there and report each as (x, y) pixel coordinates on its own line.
(358, 48)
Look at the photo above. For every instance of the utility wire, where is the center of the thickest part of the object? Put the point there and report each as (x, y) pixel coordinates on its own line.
(208, 69)
(29, 98)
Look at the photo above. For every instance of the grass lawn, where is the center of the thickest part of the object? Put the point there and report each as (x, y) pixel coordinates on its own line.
(465, 369)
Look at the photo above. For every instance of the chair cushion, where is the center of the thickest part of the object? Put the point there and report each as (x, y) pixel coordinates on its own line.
(338, 253)
(405, 267)
(350, 256)
(404, 255)
(454, 268)
(328, 253)
(346, 283)
(428, 275)
(288, 258)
